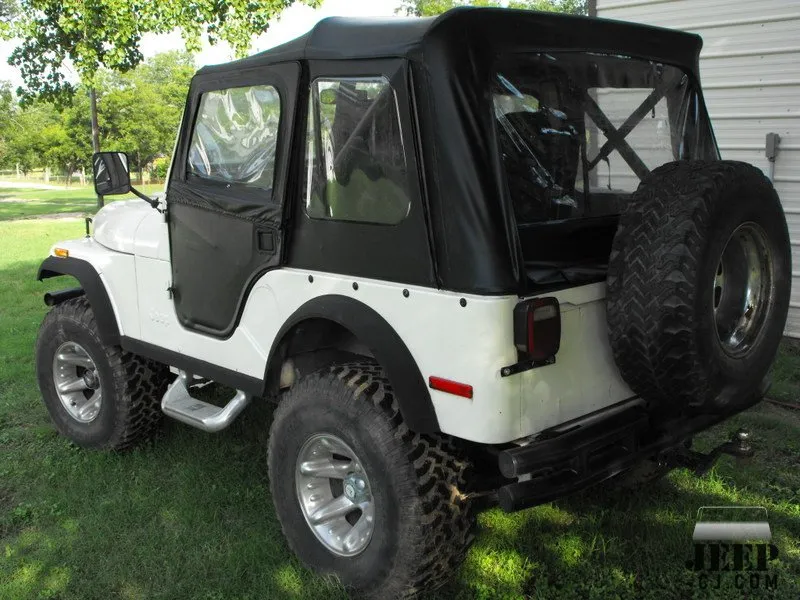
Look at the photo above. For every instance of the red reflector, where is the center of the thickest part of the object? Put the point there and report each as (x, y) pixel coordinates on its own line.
(451, 387)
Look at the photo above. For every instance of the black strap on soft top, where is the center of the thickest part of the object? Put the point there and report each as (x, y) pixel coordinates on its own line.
(615, 138)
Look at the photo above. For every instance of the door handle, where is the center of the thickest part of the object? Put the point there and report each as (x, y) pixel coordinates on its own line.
(266, 241)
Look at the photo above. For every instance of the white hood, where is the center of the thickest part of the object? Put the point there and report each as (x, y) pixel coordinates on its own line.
(115, 225)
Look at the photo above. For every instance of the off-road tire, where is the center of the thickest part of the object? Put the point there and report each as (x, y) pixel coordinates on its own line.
(660, 291)
(132, 386)
(423, 522)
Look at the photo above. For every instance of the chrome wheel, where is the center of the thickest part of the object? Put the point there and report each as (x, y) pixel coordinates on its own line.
(743, 289)
(77, 382)
(334, 494)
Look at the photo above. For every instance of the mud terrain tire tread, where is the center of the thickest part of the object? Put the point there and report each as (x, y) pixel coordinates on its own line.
(655, 328)
(137, 384)
(439, 528)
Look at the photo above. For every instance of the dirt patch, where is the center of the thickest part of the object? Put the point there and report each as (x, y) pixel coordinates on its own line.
(30, 184)
(52, 217)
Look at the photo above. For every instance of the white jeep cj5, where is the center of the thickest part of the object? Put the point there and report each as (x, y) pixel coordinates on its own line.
(487, 258)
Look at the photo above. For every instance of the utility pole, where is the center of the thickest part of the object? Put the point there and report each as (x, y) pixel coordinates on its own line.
(95, 131)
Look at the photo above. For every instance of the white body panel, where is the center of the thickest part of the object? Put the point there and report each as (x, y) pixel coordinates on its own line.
(469, 344)
(118, 273)
(115, 226)
(750, 68)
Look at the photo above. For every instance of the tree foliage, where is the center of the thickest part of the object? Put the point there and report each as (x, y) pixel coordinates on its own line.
(23, 139)
(6, 116)
(95, 34)
(427, 8)
(8, 9)
(142, 109)
(140, 112)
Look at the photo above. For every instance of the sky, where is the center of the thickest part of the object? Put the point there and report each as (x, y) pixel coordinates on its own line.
(295, 21)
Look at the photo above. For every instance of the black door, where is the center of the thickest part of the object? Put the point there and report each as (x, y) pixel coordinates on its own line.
(227, 190)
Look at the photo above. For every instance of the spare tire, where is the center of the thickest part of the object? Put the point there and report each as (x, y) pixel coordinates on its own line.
(698, 286)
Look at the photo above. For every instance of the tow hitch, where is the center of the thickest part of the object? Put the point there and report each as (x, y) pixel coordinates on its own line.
(738, 446)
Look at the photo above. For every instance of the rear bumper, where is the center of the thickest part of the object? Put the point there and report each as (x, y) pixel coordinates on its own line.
(586, 451)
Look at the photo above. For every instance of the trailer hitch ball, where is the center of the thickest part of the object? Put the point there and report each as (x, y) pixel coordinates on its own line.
(740, 444)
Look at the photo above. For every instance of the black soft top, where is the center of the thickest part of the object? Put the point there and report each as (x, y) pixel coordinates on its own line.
(452, 60)
(489, 29)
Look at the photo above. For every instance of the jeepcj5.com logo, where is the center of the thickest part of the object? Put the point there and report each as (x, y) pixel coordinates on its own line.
(733, 542)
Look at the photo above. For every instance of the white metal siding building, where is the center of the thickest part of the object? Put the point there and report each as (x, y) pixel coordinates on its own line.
(750, 71)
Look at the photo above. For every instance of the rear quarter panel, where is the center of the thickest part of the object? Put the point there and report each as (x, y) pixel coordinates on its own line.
(584, 378)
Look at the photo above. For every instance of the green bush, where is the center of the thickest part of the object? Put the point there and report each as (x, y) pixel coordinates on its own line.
(159, 167)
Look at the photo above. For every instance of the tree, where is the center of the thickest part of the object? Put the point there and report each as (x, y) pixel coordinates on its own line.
(25, 145)
(92, 34)
(8, 8)
(141, 112)
(62, 149)
(7, 109)
(426, 8)
(142, 108)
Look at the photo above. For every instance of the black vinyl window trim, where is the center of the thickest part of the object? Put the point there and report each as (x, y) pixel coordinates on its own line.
(235, 189)
(212, 82)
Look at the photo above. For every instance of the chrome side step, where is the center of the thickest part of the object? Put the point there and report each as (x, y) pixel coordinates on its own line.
(179, 404)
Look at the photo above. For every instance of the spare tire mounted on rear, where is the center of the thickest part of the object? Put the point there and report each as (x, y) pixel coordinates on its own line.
(698, 285)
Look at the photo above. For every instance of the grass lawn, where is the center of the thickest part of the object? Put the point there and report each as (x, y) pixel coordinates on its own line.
(20, 202)
(189, 515)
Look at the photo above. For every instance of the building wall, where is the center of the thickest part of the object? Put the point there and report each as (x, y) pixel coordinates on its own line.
(750, 69)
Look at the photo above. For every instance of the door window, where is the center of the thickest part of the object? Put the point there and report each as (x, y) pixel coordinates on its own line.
(235, 136)
(355, 159)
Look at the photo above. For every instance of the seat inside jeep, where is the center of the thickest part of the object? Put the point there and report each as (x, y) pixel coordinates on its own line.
(360, 172)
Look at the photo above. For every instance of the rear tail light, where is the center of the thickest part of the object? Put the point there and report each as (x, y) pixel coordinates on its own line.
(537, 328)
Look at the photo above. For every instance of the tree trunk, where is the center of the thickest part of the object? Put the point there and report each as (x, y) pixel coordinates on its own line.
(95, 132)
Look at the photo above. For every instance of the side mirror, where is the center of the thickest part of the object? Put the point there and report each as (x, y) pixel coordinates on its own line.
(111, 176)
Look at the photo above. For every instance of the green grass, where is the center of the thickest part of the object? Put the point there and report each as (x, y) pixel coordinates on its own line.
(22, 202)
(189, 515)
(786, 385)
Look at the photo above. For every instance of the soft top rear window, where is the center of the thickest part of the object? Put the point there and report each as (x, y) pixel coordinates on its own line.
(578, 130)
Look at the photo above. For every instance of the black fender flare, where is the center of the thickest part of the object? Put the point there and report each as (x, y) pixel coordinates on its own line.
(386, 346)
(96, 293)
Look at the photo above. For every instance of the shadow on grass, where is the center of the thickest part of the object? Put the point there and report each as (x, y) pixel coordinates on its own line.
(611, 543)
(186, 516)
(786, 373)
(189, 516)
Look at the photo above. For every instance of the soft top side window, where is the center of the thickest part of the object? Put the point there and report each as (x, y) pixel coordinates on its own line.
(355, 159)
(235, 136)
